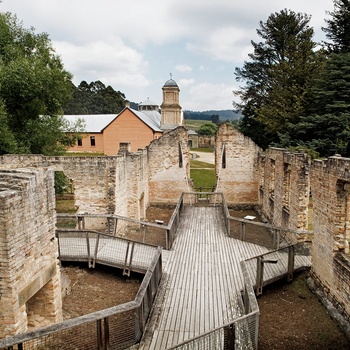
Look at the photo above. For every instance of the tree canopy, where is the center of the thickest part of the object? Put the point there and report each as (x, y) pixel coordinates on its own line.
(33, 87)
(326, 129)
(207, 129)
(95, 98)
(338, 27)
(277, 77)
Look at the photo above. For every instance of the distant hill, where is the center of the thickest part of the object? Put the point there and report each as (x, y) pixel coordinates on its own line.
(226, 114)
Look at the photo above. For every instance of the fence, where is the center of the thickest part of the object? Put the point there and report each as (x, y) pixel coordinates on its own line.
(122, 326)
(115, 225)
(284, 262)
(118, 327)
(95, 247)
(240, 334)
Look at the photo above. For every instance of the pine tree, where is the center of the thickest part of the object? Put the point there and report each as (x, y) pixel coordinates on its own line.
(277, 77)
(338, 27)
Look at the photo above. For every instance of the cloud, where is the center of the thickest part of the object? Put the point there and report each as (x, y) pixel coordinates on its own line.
(183, 68)
(186, 82)
(112, 62)
(132, 45)
(217, 96)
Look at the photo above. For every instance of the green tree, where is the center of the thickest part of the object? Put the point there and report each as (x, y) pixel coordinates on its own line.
(215, 119)
(95, 98)
(208, 129)
(327, 128)
(277, 77)
(338, 27)
(33, 86)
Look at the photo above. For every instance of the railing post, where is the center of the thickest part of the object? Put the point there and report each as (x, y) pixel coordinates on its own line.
(246, 301)
(291, 256)
(167, 236)
(99, 335)
(115, 226)
(81, 223)
(106, 332)
(92, 263)
(88, 248)
(143, 228)
(242, 232)
(276, 239)
(229, 336)
(259, 275)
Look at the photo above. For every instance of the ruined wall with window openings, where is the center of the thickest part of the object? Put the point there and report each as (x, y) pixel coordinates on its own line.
(279, 181)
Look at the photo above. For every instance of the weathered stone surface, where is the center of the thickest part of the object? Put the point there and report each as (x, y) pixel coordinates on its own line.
(285, 188)
(28, 250)
(330, 181)
(237, 171)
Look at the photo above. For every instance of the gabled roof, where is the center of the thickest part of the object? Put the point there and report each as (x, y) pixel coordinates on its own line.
(96, 123)
(150, 118)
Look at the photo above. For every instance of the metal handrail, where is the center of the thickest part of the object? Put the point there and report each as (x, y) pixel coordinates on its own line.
(98, 315)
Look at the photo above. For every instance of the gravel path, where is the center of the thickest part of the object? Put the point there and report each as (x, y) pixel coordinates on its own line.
(207, 157)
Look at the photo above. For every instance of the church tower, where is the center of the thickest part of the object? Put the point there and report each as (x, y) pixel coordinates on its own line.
(171, 110)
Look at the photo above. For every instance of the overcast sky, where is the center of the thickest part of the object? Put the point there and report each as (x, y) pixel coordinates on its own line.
(134, 45)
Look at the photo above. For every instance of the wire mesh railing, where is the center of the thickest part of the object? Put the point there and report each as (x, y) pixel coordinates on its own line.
(118, 327)
(274, 265)
(241, 333)
(116, 226)
(267, 235)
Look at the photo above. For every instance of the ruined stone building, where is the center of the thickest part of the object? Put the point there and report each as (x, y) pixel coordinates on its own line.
(284, 185)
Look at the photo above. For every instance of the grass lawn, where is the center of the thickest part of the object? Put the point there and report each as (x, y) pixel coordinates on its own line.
(204, 149)
(204, 178)
(197, 164)
(195, 124)
(65, 206)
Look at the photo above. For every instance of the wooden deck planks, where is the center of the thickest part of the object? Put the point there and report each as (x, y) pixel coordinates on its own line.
(204, 279)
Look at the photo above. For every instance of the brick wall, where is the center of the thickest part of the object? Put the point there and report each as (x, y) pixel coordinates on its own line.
(28, 251)
(236, 158)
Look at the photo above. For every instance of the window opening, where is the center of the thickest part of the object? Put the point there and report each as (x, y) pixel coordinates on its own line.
(223, 158)
(272, 178)
(124, 146)
(92, 141)
(180, 156)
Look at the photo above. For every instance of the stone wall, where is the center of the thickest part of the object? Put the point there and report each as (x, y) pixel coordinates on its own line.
(30, 292)
(236, 159)
(137, 184)
(125, 184)
(94, 178)
(285, 188)
(330, 187)
(168, 166)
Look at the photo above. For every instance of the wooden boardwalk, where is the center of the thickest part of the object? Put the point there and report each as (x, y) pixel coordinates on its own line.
(202, 280)
(108, 251)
